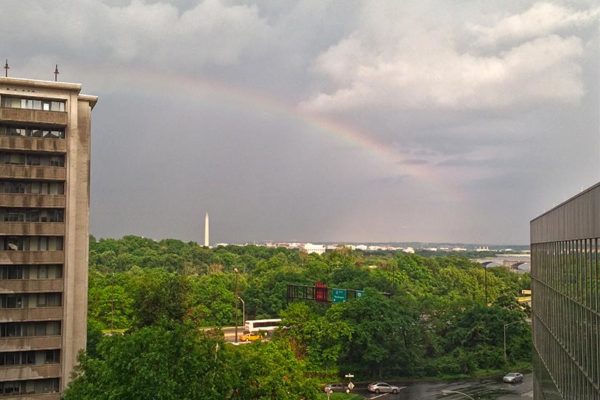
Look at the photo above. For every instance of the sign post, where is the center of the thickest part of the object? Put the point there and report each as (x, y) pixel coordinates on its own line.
(350, 384)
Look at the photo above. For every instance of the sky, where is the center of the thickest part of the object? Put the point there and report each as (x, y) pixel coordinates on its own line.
(356, 121)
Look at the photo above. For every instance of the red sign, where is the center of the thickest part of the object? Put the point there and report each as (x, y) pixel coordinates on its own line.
(320, 292)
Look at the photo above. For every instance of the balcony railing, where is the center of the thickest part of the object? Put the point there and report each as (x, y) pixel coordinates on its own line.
(32, 228)
(56, 118)
(28, 200)
(33, 172)
(31, 314)
(31, 257)
(19, 372)
(35, 396)
(31, 285)
(30, 343)
(33, 144)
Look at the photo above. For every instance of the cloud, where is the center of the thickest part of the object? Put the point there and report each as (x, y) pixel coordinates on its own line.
(540, 20)
(211, 32)
(420, 67)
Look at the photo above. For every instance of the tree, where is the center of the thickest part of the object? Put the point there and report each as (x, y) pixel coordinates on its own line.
(165, 362)
(160, 296)
(269, 371)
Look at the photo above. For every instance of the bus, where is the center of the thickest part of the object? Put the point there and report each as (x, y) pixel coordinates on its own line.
(261, 325)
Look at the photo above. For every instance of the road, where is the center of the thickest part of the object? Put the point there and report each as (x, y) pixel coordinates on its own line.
(486, 389)
(229, 332)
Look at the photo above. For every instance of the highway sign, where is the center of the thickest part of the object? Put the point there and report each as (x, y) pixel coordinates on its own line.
(339, 295)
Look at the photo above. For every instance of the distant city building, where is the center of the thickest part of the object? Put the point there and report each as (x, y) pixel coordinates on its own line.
(44, 231)
(565, 272)
(314, 248)
(482, 248)
(409, 250)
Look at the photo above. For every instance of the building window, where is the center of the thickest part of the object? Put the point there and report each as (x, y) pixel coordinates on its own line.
(35, 132)
(11, 301)
(32, 187)
(32, 159)
(31, 215)
(32, 104)
(31, 243)
(37, 386)
(27, 329)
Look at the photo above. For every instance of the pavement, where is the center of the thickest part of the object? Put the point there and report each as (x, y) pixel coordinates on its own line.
(486, 389)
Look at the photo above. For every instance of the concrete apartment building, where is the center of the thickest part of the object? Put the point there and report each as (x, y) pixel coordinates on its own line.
(44, 214)
(565, 275)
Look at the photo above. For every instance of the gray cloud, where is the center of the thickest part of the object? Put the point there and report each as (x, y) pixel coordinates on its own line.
(313, 120)
(412, 67)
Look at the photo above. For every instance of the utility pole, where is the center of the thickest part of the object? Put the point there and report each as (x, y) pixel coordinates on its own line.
(505, 326)
(485, 284)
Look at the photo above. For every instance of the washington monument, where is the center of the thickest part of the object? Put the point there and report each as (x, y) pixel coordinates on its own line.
(206, 232)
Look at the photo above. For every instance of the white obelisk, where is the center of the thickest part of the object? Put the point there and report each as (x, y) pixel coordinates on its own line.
(206, 232)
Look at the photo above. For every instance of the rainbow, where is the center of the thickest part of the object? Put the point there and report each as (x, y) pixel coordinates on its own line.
(252, 99)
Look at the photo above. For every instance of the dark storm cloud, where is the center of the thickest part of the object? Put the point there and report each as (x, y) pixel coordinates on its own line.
(471, 108)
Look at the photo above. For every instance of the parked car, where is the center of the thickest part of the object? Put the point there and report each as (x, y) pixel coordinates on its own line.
(382, 387)
(335, 387)
(513, 377)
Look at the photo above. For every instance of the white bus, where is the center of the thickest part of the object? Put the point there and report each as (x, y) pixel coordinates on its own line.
(262, 325)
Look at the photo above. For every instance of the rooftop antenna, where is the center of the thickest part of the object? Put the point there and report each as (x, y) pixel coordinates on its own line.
(6, 68)
(56, 73)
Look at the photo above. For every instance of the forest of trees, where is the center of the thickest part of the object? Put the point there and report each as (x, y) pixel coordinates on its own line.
(161, 294)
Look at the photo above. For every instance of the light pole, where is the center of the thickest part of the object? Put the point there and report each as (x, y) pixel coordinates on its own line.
(485, 265)
(447, 392)
(506, 326)
(243, 311)
(236, 303)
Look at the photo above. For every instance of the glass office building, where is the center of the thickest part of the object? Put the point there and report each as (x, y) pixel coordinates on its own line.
(565, 269)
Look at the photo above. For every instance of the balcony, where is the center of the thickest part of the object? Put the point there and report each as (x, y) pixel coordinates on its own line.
(20, 372)
(33, 144)
(33, 396)
(31, 257)
(31, 286)
(55, 118)
(33, 172)
(30, 343)
(32, 228)
(31, 314)
(27, 200)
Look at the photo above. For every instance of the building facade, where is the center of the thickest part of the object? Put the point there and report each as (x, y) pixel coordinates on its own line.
(565, 272)
(44, 214)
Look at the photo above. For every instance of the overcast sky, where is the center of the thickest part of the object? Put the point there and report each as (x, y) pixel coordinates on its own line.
(325, 120)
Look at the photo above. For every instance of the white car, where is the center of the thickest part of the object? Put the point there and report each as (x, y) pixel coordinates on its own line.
(382, 387)
(513, 377)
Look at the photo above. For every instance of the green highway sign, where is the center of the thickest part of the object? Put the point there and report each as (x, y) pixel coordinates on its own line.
(338, 295)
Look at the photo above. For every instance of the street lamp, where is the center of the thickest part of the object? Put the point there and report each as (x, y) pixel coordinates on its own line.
(506, 326)
(447, 392)
(243, 311)
(236, 303)
(485, 268)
